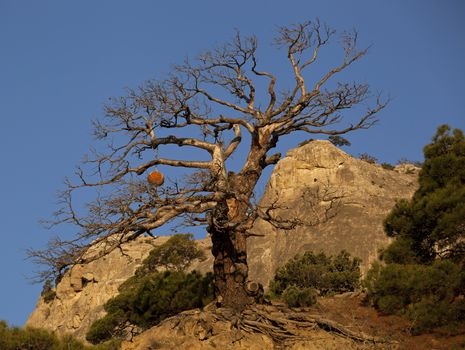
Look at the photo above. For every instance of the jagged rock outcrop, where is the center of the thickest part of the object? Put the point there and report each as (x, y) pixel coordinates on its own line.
(341, 203)
(84, 289)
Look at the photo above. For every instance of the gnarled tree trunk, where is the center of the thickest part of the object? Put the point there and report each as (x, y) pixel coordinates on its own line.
(230, 268)
(229, 245)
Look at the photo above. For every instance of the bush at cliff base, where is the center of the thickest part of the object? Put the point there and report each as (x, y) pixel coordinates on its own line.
(151, 296)
(145, 301)
(298, 297)
(303, 277)
(429, 295)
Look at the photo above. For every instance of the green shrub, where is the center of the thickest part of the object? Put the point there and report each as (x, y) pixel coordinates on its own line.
(48, 293)
(400, 251)
(404, 160)
(429, 295)
(431, 314)
(175, 254)
(339, 141)
(13, 338)
(298, 297)
(107, 327)
(168, 293)
(151, 296)
(145, 301)
(368, 158)
(371, 279)
(387, 166)
(326, 274)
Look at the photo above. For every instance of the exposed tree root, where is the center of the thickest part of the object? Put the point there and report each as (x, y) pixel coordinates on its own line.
(283, 325)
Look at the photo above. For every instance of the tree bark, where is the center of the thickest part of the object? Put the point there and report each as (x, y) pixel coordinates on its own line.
(229, 245)
(230, 269)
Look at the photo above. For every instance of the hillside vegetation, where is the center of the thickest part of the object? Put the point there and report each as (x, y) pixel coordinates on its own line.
(423, 276)
(151, 295)
(13, 338)
(305, 277)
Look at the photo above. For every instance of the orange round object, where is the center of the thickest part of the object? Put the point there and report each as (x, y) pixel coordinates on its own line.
(156, 178)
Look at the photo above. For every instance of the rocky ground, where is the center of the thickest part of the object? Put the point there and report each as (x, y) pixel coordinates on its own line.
(340, 322)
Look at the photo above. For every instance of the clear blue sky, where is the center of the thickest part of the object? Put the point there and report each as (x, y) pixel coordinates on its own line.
(60, 60)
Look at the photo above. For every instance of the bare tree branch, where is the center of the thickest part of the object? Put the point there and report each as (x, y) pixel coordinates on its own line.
(202, 108)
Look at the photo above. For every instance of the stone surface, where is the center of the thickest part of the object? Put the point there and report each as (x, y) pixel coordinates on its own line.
(81, 293)
(300, 187)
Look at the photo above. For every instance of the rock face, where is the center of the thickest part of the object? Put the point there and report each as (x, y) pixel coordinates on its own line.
(84, 290)
(340, 202)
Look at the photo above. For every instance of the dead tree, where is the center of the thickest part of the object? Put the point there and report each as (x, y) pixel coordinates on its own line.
(209, 105)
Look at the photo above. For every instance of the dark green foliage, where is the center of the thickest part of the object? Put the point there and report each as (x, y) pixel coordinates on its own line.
(151, 296)
(426, 294)
(15, 338)
(175, 254)
(408, 161)
(430, 313)
(303, 143)
(433, 220)
(371, 279)
(108, 327)
(168, 293)
(327, 274)
(48, 294)
(424, 278)
(400, 251)
(145, 301)
(339, 141)
(368, 158)
(12, 338)
(387, 166)
(298, 297)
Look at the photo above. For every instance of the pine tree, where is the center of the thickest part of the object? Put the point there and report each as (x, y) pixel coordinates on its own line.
(424, 278)
(432, 224)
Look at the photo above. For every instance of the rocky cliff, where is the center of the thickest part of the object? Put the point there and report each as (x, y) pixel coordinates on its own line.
(337, 201)
(84, 289)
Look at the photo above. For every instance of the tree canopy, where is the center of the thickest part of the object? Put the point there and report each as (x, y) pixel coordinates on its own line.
(211, 104)
(424, 277)
(431, 225)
